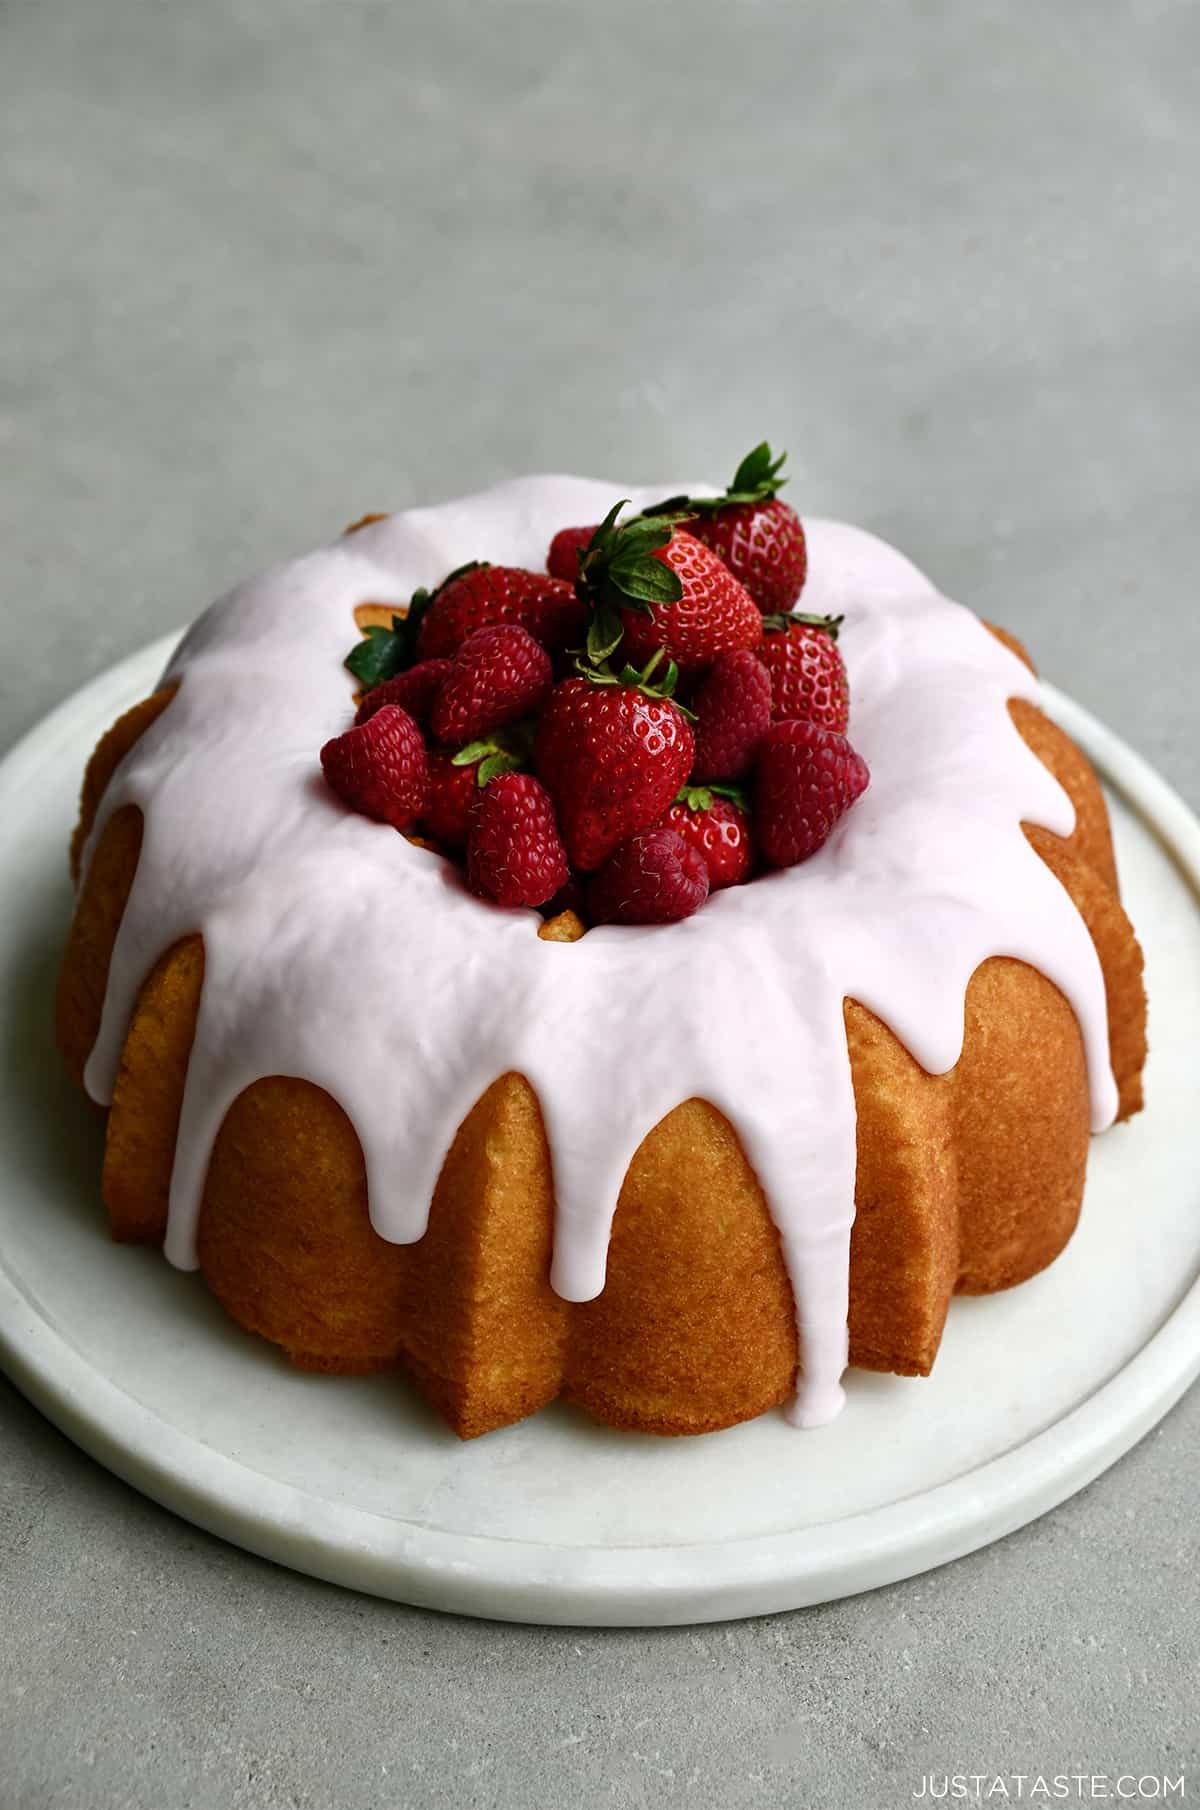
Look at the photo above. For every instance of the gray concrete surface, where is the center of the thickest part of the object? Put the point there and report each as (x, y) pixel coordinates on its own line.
(265, 264)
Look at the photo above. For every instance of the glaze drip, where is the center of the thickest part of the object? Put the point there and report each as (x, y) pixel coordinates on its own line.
(297, 899)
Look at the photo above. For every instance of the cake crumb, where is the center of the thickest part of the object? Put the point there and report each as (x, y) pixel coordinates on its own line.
(567, 927)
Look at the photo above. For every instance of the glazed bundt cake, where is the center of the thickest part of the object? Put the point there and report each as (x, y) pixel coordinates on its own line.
(675, 1173)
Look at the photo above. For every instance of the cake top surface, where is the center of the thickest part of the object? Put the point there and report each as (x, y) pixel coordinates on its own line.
(338, 952)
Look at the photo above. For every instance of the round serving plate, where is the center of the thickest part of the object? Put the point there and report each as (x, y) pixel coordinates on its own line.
(559, 1520)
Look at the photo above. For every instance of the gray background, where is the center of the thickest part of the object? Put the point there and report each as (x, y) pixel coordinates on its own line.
(266, 266)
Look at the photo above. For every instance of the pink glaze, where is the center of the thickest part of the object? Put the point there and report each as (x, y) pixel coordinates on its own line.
(338, 952)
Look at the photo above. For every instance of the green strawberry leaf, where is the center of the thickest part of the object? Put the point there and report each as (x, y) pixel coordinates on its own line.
(617, 570)
(756, 480)
(672, 505)
(604, 634)
(829, 625)
(466, 757)
(494, 764)
(758, 476)
(699, 798)
(384, 652)
(381, 655)
(643, 681)
(508, 751)
(644, 579)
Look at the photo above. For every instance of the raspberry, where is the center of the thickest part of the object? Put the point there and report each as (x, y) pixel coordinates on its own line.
(497, 675)
(733, 713)
(562, 561)
(654, 878)
(805, 779)
(413, 691)
(379, 768)
(514, 853)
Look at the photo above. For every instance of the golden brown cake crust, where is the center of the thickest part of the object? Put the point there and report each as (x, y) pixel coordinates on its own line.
(144, 1121)
(83, 977)
(111, 750)
(970, 1180)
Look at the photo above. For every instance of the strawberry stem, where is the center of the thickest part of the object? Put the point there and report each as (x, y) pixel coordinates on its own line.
(508, 751)
(643, 680)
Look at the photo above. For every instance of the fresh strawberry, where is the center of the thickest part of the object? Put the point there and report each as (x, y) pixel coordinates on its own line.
(763, 545)
(496, 676)
(562, 561)
(456, 782)
(514, 852)
(481, 596)
(413, 691)
(452, 796)
(654, 878)
(808, 674)
(713, 615)
(733, 713)
(613, 753)
(651, 586)
(379, 767)
(719, 831)
(756, 535)
(806, 777)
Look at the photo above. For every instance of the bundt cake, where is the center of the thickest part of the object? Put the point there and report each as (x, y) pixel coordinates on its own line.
(677, 1174)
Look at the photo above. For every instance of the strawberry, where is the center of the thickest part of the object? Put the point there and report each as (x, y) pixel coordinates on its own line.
(806, 778)
(613, 753)
(651, 586)
(718, 829)
(514, 852)
(497, 675)
(562, 561)
(654, 878)
(452, 796)
(752, 531)
(456, 782)
(763, 545)
(413, 691)
(733, 713)
(379, 768)
(481, 596)
(808, 674)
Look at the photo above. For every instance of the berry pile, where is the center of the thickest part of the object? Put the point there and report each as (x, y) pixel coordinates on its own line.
(527, 723)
